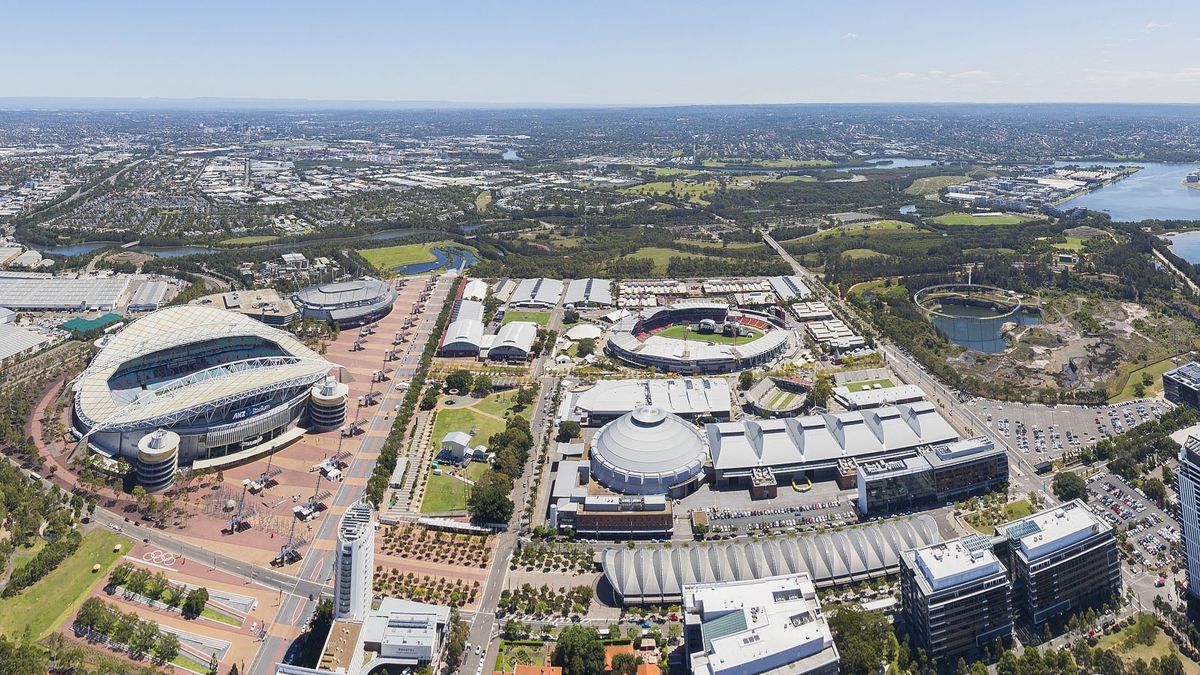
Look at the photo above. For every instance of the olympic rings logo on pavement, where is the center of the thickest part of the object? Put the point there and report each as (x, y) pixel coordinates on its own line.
(159, 557)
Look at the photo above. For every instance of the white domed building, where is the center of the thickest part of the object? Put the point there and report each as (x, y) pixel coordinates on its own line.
(649, 452)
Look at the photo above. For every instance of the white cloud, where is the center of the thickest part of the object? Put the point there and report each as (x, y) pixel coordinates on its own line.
(1156, 25)
(850, 36)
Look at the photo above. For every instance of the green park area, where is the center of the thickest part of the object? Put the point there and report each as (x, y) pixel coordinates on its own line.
(1071, 244)
(1144, 641)
(46, 604)
(680, 331)
(391, 257)
(768, 163)
(483, 200)
(931, 184)
(249, 240)
(661, 257)
(520, 652)
(859, 254)
(540, 318)
(680, 185)
(708, 243)
(1153, 372)
(872, 226)
(959, 218)
(869, 384)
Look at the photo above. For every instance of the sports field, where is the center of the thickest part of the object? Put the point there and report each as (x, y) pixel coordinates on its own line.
(46, 604)
(540, 318)
(959, 218)
(391, 257)
(679, 331)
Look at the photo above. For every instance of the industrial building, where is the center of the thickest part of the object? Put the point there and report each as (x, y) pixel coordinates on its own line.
(641, 575)
(874, 398)
(955, 598)
(589, 293)
(149, 296)
(931, 475)
(464, 334)
(1180, 385)
(789, 289)
(599, 515)
(1061, 561)
(689, 398)
(513, 342)
(346, 303)
(230, 387)
(771, 625)
(811, 445)
(37, 292)
(17, 343)
(261, 304)
(542, 293)
(475, 289)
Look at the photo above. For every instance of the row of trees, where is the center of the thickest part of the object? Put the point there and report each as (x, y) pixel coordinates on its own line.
(489, 501)
(140, 637)
(46, 560)
(479, 385)
(157, 587)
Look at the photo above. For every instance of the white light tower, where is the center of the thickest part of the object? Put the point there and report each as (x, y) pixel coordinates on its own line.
(354, 563)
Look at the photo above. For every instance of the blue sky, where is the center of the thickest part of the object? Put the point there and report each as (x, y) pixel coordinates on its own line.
(595, 52)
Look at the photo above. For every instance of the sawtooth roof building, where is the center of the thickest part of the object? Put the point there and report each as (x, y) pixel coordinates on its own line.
(589, 293)
(818, 442)
(541, 292)
(640, 576)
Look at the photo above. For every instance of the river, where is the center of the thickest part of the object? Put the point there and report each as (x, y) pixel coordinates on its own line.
(1156, 191)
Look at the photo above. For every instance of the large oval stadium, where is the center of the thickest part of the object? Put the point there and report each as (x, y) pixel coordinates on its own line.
(346, 303)
(221, 383)
(698, 337)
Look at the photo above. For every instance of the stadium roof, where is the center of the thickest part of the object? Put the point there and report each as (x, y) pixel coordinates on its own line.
(651, 575)
(537, 292)
(589, 292)
(345, 299)
(193, 392)
(826, 438)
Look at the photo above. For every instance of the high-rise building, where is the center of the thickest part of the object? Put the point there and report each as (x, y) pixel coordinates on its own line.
(1189, 510)
(1061, 561)
(955, 597)
(354, 563)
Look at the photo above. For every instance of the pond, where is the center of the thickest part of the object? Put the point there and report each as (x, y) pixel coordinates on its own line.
(979, 328)
(450, 258)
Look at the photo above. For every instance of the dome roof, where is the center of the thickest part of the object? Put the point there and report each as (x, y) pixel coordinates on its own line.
(649, 443)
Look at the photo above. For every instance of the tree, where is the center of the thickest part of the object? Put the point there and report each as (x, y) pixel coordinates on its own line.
(579, 651)
(570, 316)
(585, 347)
(1068, 486)
(819, 393)
(483, 385)
(168, 648)
(195, 601)
(233, 670)
(568, 430)
(489, 501)
(624, 664)
(1155, 489)
(456, 644)
(526, 396)
(459, 380)
(745, 380)
(862, 637)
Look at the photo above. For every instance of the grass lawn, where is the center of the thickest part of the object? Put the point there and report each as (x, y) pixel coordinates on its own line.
(859, 386)
(475, 470)
(857, 228)
(185, 661)
(694, 192)
(931, 184)
(959, 218)
(210, 613)
(249, 241)
(668, 172)
(483, 200)
(783, 399)
(46, 604)
(511, 655)
(860, 253)
(661, 256)
(1018, 509)
(391, 257)
(708, 243)
(540, 318)
(1072, 244)
(1155, 371)
(462, 419)
(678, 331)
(443, 493)
(22, 556)
(1162, 645)
(501, 404)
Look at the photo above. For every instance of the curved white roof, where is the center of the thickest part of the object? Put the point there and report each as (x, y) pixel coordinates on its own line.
(582, 331)
(646, 575)
(464, 332)
(649, 442)
(517, 335)
(192, 392)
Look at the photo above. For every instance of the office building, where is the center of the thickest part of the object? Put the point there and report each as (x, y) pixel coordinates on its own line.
(928, 476)
(1189, 510)
(955, 598)
(354, 563)
(1182, 385)
(1061, 561)
(768, 625)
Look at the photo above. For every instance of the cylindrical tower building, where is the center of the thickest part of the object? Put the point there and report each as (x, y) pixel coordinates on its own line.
(157, 460)
(327, 405)
(354, 563)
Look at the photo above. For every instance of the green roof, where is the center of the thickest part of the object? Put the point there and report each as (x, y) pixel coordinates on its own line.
(81, 325)
(726, 624)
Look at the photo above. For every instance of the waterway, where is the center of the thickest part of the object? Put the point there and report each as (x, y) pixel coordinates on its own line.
(899, 162)
(511, 155)
(979, 328)
(449, 258)
(1156, 191)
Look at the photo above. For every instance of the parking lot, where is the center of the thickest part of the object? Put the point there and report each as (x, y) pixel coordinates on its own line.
(1047, 432)
(792, 518)
(1151, 531)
